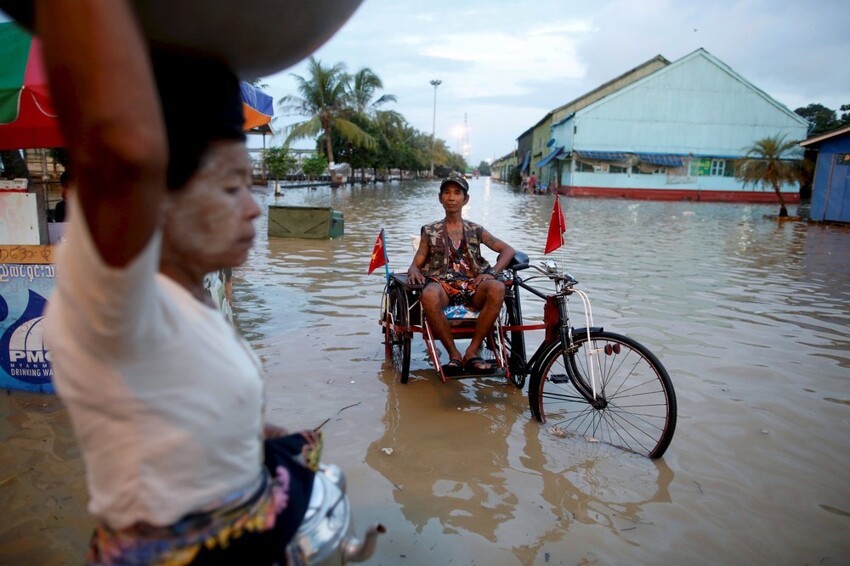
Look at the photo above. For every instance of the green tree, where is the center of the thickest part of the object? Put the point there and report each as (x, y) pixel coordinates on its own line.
(362, 88)
(821, 119)
(279, 163)
(315, 165)
(844, 119)
(484, 168)
(771, 162)
(325, 101)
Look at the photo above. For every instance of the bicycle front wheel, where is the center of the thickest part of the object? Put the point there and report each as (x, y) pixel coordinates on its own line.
(607, 389)
(397, 336)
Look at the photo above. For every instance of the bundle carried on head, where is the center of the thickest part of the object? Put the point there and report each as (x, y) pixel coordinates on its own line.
(201, 103)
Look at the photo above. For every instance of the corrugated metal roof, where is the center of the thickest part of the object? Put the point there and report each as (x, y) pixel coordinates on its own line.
(661, 159)
(554, 155)
(602, 155)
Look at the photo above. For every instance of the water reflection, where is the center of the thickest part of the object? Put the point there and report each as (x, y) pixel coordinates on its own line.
(749, 315)
(503, 480)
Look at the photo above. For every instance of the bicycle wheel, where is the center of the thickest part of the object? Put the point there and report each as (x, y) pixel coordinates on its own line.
(511, 315)
(635, 405)
(397, 340)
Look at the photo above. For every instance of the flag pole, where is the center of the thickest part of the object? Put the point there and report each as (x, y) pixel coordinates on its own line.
(386, 257)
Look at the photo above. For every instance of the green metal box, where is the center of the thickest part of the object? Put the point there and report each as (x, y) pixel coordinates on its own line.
(305, 222)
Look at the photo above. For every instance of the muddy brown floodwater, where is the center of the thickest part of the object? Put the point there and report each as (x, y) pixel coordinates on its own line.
(749, 315)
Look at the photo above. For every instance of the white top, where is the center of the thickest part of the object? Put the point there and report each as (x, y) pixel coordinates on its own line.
(164, 397)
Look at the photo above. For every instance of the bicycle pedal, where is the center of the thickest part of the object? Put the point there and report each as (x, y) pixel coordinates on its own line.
(559, 378)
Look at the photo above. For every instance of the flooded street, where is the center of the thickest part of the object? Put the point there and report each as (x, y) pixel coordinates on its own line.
(749, 315)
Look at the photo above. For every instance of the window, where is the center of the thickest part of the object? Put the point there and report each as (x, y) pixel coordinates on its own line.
(617, 169)
(583, 167)
(718, 167)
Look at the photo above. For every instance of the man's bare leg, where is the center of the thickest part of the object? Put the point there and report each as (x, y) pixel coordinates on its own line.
(434, 300)
(487, 300)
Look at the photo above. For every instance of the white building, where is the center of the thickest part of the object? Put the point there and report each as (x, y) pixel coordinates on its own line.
(674, 134)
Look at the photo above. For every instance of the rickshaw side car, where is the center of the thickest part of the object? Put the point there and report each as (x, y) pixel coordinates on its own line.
(402, 317)
(583, 380)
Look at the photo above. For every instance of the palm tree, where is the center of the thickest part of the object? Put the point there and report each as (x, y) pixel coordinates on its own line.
(362, 88)
(324, 100)
(770, 162)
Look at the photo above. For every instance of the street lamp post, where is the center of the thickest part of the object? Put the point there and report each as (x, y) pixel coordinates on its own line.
(435, 83)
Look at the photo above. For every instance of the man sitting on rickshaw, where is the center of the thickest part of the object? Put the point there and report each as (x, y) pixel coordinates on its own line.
(449, 263)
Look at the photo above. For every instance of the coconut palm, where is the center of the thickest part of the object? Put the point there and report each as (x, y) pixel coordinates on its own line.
(362, 88)
(771, 162)
(362, 92)
(325, 101)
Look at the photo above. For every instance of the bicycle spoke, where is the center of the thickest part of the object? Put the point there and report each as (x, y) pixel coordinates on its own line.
(634, 407)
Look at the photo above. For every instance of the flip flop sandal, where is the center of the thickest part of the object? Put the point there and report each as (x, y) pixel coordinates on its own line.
(477, 366)
(454, 367)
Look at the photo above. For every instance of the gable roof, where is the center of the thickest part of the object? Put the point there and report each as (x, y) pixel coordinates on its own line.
(702, 53)
(817, 140)
(589, 94)
(587, 98)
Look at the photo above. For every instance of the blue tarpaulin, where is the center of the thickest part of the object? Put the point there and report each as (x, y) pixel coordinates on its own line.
(661, 159)
(554, 155)
(602, 155)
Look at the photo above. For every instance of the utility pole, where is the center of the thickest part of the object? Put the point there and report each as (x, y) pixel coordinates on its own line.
(435, 83)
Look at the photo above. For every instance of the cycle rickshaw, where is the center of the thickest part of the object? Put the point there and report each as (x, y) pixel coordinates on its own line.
(583, 380)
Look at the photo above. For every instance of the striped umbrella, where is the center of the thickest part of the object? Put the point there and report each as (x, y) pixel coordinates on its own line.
(27, 118)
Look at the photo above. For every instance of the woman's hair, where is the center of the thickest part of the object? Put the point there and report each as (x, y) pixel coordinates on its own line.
(201, 103)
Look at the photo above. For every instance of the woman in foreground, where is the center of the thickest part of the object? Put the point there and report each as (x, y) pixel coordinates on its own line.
(164, 397)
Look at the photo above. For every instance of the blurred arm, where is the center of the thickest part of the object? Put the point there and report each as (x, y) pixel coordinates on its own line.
(106, 98)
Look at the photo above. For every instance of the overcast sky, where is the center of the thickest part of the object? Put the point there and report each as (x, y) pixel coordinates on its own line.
(505, 63)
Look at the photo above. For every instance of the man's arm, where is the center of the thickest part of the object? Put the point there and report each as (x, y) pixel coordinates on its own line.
(506, 252)
(106, 98)
(414, 275)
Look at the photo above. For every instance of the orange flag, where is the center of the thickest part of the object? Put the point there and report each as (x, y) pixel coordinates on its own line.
(557, 227)
(379, 254)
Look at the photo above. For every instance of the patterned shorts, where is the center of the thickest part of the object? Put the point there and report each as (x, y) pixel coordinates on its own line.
(459, 291)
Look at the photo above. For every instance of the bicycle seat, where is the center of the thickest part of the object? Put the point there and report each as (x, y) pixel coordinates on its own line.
(519, 261)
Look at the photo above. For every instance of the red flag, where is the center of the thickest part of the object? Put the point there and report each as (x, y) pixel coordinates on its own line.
(379, 254)
(557, 227)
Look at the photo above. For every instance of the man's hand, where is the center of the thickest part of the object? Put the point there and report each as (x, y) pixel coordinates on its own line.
(483, 277)
(414, 276)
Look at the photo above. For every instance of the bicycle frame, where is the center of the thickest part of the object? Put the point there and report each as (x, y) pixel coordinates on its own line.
(556, 323)
(583, 380)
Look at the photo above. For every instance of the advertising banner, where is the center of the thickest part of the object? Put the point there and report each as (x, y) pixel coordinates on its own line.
(26, 281)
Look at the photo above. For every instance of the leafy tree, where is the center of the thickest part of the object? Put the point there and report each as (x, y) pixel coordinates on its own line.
(325, 101)
(844, 120)
(484, 168)
(822, 119)
(279, 163)
(362, 88)
(771, 162)
(315, 165)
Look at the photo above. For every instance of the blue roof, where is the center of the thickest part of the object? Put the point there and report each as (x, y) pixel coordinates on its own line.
(602, 155)
(661, 159)
(554, 155)
(525, 161)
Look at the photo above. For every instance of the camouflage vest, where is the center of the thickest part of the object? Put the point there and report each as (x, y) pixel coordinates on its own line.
(438, 242)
